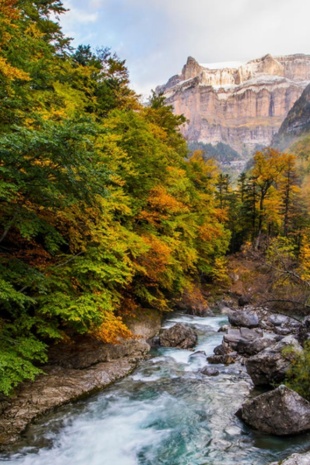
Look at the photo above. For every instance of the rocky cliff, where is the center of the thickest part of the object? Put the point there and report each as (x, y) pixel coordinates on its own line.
(297, 122)
(242, 105)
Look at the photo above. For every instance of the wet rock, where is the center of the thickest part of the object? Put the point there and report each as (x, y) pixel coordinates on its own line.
(270, 365)
(295, 459)
(226, 359)
(209, 371)
(198, 354)
(222, 349)
(179, 335)
(154, 341)
(223, 329)
(244, 318)
(280, 412)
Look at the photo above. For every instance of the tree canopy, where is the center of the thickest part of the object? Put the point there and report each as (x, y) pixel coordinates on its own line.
(101, 213)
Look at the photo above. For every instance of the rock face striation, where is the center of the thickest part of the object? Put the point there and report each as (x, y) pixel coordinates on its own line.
(242, 105)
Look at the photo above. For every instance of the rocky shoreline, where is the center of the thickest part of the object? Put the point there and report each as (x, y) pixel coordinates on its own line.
(74, 371)
(61, 384)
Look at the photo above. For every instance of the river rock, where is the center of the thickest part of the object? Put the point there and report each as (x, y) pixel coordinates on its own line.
(295, 459)
(280, 412)
(234, 336)
(279, 324)
(179, 335)
(270, 365)
(244, 318)
(222, 349)
(209, 371)
(223, 329)
(226, 359)
(198, 354)
(248, 348)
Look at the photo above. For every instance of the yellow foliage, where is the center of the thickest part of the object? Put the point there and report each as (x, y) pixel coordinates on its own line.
(305, 257)
(220, 272)
(10, 72)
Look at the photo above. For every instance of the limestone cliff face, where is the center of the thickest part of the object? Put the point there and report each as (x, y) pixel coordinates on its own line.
(242, 105)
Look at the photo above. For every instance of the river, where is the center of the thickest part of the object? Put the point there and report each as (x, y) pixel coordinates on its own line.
(165, 413)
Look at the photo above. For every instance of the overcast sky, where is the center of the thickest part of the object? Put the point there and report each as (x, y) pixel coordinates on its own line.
(155, 37)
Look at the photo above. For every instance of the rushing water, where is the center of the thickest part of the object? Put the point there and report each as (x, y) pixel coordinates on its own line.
(165, 413)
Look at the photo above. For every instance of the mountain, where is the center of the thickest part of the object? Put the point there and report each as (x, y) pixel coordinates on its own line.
(241, 105)
(296, 123)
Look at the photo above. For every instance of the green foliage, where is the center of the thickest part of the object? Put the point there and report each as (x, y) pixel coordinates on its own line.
(298, 375)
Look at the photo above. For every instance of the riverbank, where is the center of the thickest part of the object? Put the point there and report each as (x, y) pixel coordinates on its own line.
(75, 371)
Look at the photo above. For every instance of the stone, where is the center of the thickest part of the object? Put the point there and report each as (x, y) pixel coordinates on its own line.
(199, 354)
(209, 371)
(270, 365)
(253, 347)
(179, 335)
(223, 329)
(233, 337)
(283, 325)
(295, 459)
(222, 349)
(280, 412)
(226, 359)
(243, 318)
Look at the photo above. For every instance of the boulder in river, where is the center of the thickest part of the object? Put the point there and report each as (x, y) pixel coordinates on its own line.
(295, 459)
(209, 371)
(179, 335)
(271, 364)
(280, 412)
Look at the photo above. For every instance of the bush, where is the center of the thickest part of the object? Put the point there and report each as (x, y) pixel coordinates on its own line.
(298, 376)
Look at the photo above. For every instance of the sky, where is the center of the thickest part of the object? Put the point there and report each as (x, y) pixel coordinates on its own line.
(155, 37)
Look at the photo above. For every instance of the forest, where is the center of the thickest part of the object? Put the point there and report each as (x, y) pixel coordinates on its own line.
(103, 210)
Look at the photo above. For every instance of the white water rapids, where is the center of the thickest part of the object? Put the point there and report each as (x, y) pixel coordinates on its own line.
(165, 413)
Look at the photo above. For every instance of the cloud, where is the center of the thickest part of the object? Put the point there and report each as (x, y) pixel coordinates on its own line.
(156, 36)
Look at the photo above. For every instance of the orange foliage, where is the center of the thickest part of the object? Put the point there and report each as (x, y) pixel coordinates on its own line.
(208, 232)
(160, 200)
(113, 330)
(157, 258)
(8, 10)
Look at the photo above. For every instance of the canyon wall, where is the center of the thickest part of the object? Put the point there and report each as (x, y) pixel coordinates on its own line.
(242, 105)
